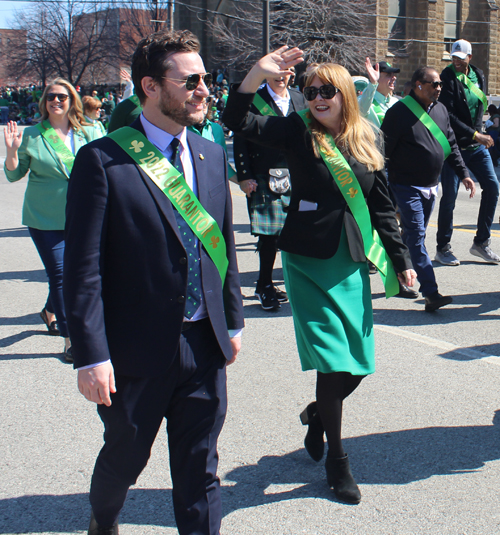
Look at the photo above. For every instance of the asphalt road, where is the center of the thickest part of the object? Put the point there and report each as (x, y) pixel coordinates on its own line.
(423, 432)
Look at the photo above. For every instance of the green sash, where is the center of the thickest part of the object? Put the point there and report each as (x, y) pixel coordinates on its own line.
(372, 244)
(174, 186)
(429, 123)
(263, 107)
(472, 87)
(135, 99)
(379, 112)
(50, 135)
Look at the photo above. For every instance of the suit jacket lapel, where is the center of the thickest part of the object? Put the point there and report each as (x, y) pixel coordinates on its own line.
(161, 199)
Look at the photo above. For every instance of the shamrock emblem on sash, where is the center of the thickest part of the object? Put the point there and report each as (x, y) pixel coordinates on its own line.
(55, 139)
(136, 146)
(352, 192)
(215, 240)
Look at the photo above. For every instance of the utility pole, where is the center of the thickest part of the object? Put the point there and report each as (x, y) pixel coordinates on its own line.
(265, 28)
(157, 24)
(171, 15)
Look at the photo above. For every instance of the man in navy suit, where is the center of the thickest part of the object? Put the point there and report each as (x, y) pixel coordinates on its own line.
(142, 351)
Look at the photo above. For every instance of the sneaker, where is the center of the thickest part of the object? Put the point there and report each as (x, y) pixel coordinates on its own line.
(267, 297)
(281, 295)
(446, 257)
(483, 251)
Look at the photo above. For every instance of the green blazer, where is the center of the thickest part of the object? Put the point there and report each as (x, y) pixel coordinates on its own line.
(45, 198)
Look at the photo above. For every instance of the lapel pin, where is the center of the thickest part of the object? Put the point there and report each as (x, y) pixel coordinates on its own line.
(202, 157)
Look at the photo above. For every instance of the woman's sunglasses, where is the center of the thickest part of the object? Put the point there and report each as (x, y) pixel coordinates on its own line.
(60, 96)
(193, 80)
(327, 91)
(435, 85)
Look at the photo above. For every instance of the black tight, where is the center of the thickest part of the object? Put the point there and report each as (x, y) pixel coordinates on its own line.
(267, 254)
(331, 390)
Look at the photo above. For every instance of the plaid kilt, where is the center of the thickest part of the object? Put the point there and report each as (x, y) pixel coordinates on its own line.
(265, 209)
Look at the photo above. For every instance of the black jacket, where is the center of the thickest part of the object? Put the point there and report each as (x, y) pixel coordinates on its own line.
(453, 97)
(415, 156)
(252, 159)
(317, 233)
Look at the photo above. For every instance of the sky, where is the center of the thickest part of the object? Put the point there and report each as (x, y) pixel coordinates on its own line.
(7, 11)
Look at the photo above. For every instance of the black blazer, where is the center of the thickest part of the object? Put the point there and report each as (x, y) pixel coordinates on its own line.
(317, 233)
(453, 97)
(125, 269)
(252, 159)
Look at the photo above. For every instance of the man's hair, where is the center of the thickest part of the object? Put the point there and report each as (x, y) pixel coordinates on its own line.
(419, 74)
(152, 53)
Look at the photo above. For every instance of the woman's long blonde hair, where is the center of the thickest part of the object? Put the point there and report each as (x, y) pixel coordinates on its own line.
(75, 113)
(357, 136)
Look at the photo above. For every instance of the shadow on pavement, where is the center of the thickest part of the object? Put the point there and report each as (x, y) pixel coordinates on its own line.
(28, 319)
(393, 458)
(36, 275)
(21, 232)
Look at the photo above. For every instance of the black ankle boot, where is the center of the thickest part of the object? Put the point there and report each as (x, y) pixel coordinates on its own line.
(313, 442)
(339, 477)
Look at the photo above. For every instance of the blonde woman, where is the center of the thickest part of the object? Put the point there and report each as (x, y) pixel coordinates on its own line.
(47, 151)
(324, 262)
(92, 110)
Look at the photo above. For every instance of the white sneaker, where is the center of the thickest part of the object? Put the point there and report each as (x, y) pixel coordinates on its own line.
(483, 251)
(446, 257)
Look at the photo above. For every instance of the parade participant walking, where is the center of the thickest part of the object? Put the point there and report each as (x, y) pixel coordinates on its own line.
(338, 192)
(152, 288)
(378, 97)
(92, 110)
(48, 151)
(263, 177)
(463, 95)
(417, 129)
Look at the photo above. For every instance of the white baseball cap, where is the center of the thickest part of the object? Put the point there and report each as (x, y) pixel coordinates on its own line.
(461, 49)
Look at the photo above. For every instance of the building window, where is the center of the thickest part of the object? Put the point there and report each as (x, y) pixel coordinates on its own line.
(397, 25)
(451, 22)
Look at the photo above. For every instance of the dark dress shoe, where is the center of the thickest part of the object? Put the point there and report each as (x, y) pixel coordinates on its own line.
(406, 293)
(95, 529)
(340, 479)
(51, 327)
(68, 354)
(314, 442)
(436, 300)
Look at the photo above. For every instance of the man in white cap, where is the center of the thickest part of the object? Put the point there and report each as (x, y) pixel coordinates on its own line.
(463, 95)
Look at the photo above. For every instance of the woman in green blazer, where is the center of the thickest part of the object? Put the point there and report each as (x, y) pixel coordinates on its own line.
(47, 151)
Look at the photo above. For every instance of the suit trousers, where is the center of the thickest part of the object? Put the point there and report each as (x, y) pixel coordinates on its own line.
(192, 397)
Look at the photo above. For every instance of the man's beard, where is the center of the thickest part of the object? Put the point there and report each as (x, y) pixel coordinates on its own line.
(178, 113)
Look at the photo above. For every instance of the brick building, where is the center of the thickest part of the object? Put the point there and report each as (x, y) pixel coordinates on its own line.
(421, 33)
(9, 38)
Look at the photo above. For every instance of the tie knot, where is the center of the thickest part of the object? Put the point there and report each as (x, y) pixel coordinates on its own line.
(175, 144)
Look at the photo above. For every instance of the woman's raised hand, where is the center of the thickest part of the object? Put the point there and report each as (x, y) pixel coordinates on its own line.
(13, 136)
(278, 63)
(275, 64)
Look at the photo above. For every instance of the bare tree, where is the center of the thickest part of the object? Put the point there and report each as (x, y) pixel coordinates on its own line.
(65, 39)
(328, 30)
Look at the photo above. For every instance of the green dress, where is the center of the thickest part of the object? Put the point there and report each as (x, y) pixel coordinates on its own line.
(332, 311)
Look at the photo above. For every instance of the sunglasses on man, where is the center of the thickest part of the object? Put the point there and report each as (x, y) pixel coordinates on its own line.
(60, 96)
(327, 91)
(193, 80)
(435, 85)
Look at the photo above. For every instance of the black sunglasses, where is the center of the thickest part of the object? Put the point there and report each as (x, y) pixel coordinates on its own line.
(61, 97)
(193, 80)
(327, 91)
(435, 85)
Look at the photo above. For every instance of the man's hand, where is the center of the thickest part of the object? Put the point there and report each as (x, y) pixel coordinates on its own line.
(236, 345)
(97, 383)
(484, 139)
(470, 185)
(248, 186)
(124, 75)
(408, 277)
(373, 73)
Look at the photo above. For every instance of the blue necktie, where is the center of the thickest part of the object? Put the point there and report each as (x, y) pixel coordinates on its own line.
(190, 243)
